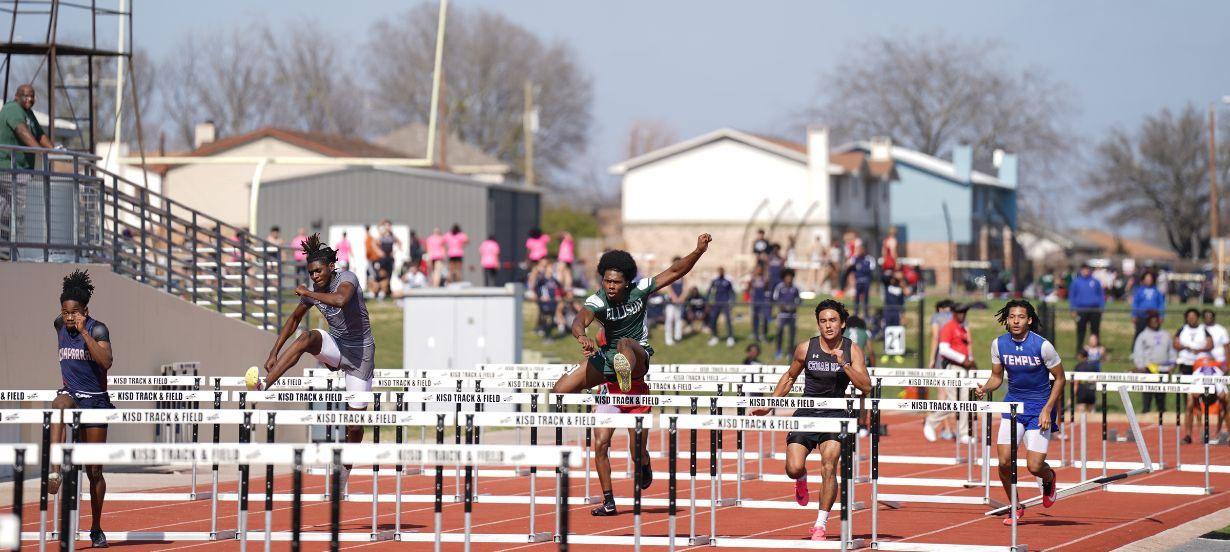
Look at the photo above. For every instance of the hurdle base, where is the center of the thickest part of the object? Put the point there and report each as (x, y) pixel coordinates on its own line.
(891, 504)
(543, 536)
(593, 500)
(385, 535)
(699, 540)
(724, 502)
(225, 534)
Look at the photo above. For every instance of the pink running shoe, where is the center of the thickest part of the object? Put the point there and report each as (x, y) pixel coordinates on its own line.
(800, 491)
(817, 532)
(1049, 496)
(1020, 513)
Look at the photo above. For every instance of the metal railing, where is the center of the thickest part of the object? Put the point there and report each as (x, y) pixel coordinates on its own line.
(68, 209)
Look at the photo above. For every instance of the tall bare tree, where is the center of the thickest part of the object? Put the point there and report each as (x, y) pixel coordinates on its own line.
(929, 94)
(647, 135)
(1156, 179)
(487, 60)
(316, 91)
(221, 77)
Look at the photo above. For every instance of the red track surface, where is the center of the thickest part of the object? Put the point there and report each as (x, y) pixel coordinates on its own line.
(1096, 520)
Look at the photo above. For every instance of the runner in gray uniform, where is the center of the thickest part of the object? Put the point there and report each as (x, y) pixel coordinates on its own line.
(832, 363)
(347, 346)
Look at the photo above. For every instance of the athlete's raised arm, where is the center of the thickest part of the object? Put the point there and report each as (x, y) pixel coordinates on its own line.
(580, 323)
(338, 299)
(676, 270)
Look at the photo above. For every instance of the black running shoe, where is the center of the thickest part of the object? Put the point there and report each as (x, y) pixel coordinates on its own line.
(607, 509)
(98, 539)
(1187, 440)
(646, 476)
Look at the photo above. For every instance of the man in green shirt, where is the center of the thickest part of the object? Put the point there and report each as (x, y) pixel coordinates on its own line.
(19, 127)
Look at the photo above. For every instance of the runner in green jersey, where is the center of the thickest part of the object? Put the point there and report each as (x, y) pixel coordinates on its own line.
(620, 307)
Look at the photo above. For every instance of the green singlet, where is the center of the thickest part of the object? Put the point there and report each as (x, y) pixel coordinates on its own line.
(621, 320)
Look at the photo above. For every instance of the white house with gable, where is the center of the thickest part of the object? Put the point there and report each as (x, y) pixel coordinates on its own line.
(730, 183)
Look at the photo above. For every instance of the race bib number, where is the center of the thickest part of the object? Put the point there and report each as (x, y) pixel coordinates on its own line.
(894, 340)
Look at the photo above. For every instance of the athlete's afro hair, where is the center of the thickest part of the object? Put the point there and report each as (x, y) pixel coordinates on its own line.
(77, 287)
(1002, 314)
(619, 261)
(833, 304)
(318, 251)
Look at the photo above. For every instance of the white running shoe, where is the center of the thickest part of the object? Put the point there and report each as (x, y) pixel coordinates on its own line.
(623, 372)
(730, 342)
(713, 341)
(929, 432)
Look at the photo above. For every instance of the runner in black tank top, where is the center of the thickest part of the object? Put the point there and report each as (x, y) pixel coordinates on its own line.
(85, 358)
(830, 363)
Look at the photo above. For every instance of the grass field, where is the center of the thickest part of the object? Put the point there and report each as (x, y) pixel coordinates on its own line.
(1116, 330)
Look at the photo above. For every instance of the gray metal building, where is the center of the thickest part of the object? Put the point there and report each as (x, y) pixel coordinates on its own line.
(419, 198)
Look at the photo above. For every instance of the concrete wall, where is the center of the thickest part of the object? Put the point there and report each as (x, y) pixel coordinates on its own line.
(222, 191)
(148, 327)
(723, 181)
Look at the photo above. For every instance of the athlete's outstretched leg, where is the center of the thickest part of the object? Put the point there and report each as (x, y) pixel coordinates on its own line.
(580, 377)
(796, 469)
(307, 342)
(61, 402)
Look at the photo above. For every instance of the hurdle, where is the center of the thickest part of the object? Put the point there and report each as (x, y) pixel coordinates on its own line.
(1203, 380)
(335, 455)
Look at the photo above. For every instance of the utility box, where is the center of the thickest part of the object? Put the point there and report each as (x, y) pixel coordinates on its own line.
(460, 328)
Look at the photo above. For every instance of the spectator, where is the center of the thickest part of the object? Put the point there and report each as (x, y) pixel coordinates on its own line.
(567, 250)
(864, 268)
(787, 300)
(752, 354)
(954, 351)
(19, 127)
(489, 258)
(435, 257)
(888, 252)
(455, 244)
(696, 307)
(1221, 339)
(1094, 351)
(674, 310)
(416, 249)
(343, 250)
(296, 243)
(894, 300)
(774, 264)
(1145, 298)
(856, 331)
(762, 308)
(412, 276)
(1086, 395)
(1087, 300)
(817, 266)
(1193, 343)
(536, 245)
(371, 250)
(721, 299)
(275, 236)
(760, 247)
(547, 294)
(943, 313)
(1198, 401)
(835, 277)
(389, 244)
(1153, 353)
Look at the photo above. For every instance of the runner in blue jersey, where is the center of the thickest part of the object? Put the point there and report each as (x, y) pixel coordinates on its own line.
(85, 358)
(1029, 361)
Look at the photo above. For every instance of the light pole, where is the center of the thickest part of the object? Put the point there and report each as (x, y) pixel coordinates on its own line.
(1214, 208)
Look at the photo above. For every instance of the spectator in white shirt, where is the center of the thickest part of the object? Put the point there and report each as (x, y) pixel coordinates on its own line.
(1221, 339)
(1192, 341)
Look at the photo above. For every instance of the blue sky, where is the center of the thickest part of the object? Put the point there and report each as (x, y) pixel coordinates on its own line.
(700, 65)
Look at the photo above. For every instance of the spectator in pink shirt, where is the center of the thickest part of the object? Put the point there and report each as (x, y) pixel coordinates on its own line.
(456, 241)
(566, 251)
(343, 251)
(489, 257)
(536, 245)
(435, 254)
(296, 244)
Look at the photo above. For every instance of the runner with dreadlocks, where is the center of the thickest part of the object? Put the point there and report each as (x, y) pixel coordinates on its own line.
(85, 358)
(1027, 358)
(347, 346)
(620, 365)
